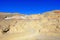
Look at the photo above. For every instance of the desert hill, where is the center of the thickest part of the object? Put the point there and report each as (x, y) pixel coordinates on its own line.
(30, 27)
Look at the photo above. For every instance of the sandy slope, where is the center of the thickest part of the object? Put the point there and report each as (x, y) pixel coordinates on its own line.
(44, 26)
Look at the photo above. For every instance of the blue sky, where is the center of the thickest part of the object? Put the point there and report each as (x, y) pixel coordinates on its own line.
(29, 6)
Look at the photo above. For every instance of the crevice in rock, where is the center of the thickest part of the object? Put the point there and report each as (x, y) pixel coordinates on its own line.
(5, 30)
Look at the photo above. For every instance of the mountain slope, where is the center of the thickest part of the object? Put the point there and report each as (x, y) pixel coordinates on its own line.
(44, 26)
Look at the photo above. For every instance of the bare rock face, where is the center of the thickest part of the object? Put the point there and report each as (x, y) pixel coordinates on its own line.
(44, 26)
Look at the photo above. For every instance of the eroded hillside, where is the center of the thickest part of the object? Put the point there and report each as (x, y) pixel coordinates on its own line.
(30, 27)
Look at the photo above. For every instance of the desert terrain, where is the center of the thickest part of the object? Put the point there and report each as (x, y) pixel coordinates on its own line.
(45, 26)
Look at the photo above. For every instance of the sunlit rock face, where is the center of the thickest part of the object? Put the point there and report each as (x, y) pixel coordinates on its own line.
(44, 26)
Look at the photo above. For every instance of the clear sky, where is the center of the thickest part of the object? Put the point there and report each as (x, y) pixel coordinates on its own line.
(29, 6)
